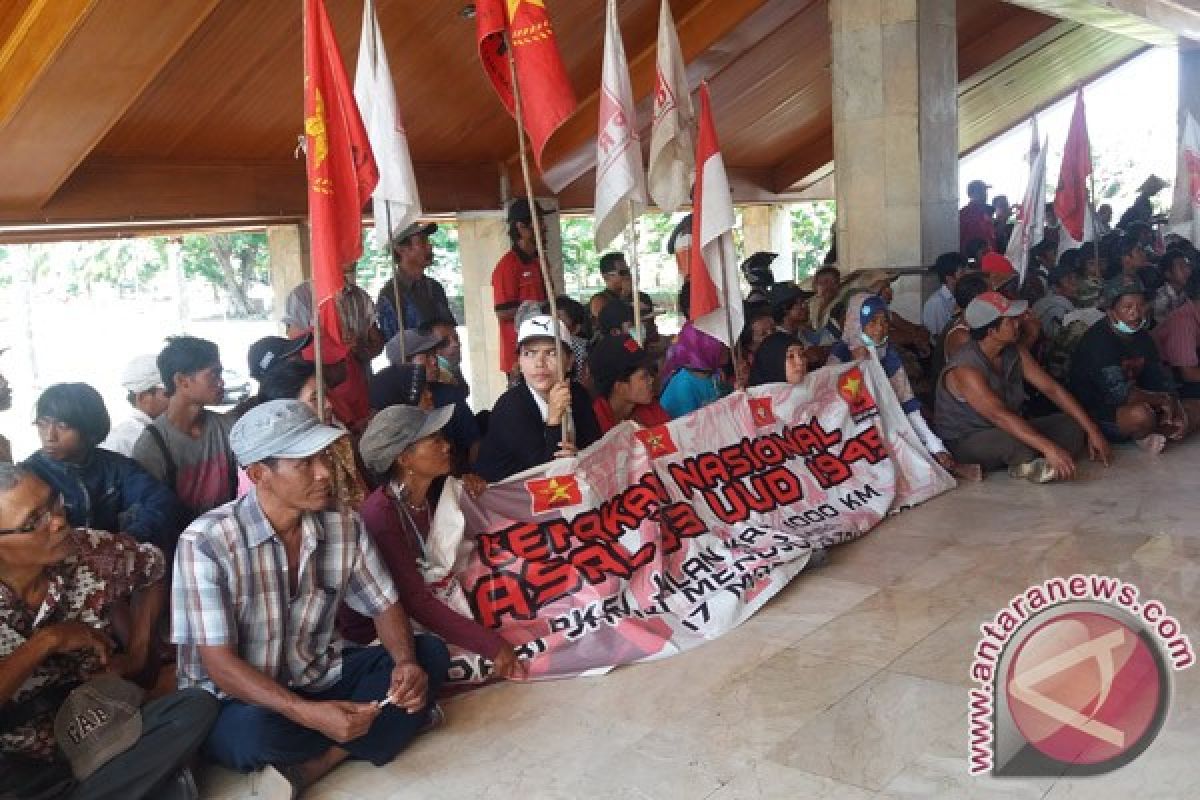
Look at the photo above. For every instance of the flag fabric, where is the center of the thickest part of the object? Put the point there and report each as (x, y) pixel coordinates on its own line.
(1185, 213)
(547, 494)
(397, 202)
(1071, 198)
(620, 179)
(716, 306)
(672, 161)
(1031, 217)
(341, 170)
(547, 99)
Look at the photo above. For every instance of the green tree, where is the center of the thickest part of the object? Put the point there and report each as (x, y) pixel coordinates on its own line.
(812, 235)
(230, 262)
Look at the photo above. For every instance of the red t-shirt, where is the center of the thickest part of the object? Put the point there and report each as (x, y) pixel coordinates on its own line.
(975, 222)
(513, 282)
(647, 415)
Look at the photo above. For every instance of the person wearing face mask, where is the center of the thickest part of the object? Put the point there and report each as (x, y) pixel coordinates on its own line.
(1120, 379)
(865, 332)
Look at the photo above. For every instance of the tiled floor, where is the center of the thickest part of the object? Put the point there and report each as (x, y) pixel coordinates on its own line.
(852, 683)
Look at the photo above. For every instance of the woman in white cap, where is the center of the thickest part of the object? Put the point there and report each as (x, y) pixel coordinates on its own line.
(405, 445)
(525, 428)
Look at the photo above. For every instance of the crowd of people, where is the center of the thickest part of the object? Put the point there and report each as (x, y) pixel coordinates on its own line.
(248, 585)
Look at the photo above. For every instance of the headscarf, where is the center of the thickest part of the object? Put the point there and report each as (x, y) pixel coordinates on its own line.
(770, 359)
(693, 349)
(889, 359)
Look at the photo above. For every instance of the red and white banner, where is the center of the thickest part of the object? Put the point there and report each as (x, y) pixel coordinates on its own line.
(1031, 216)
(655, 540)
(1185, 212)
(672, 160)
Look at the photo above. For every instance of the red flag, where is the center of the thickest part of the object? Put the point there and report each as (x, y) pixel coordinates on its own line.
(762, 411)
(341, 170)
(716, 306)
(1071, 198)
(547, 98)
(657, 441)
(547, 494)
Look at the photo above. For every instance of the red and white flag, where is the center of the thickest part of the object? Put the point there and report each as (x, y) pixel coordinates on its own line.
(672, 161)
(1072, 204)
(1185, 212)
(1031, 217)
(716, 302)
(397, 202)
(620, 181)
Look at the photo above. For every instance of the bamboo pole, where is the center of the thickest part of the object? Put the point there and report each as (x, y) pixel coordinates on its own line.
(633, 274)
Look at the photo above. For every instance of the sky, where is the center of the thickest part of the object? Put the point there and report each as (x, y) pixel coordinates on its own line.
(1130, 115)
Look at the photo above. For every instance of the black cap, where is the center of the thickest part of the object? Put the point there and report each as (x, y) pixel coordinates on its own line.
(614, 358)
(518, 211)
(271, 350)
(402, 236)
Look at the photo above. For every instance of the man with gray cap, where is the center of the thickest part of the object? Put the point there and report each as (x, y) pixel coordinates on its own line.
(422, 297)
(981, 394)
(257, 584)
(144, 387)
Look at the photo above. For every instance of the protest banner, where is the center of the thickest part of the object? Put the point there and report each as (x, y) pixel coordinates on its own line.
(655, 540)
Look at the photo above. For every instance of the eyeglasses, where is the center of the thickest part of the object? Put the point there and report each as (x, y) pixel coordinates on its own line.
(40, 518)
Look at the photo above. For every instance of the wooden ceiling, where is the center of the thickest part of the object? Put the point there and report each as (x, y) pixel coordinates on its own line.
(149, 114)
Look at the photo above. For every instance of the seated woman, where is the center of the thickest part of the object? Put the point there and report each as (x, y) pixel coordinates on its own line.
(779, 359)
(405, 445)
(100, 489)
(525, 428)
(693, 372)
(624, 383)
(866, 329)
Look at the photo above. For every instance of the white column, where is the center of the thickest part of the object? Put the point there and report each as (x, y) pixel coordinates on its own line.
(482, 240)
(290, 264)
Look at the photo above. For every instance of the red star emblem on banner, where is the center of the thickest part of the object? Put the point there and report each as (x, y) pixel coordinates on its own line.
(761, 410)
(657, 441)
(852, 386)
(548, 494)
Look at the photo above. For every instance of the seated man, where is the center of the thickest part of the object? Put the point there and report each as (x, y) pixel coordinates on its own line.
(144, 385)
(1058, 301)
(1119, 378)
(981, 391)
(256, 587)
(1178, 340)
(58, 590)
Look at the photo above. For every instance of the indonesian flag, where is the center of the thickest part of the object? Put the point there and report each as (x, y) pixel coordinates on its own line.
(620, 181)
(1031, 217)
(1071, 202)
(341, 169)
(547, 99)
(397, 203)
(671, 157)
(716, 297)
(1185, 212)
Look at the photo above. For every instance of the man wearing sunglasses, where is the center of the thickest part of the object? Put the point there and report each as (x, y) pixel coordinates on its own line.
(58, 592)
(618, 285)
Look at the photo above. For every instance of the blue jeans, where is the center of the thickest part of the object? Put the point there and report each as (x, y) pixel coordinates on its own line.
(247, 738)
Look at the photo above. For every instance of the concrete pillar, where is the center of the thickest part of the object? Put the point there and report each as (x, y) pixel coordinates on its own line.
(781, 243)
(756, 229)
(895, 131)
(290, 265)
(482, 240)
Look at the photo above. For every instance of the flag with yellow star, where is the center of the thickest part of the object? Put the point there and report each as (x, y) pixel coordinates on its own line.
(657, 441)
(762, 411)
(549, 494)
(852, 387)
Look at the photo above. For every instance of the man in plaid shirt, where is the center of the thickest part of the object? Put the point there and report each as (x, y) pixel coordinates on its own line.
(257, 585)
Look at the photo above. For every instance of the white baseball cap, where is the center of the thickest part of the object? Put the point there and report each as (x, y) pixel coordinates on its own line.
(541, 327)
(141, 374)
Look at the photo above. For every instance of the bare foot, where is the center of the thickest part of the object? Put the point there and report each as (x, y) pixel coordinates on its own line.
(1153, 444)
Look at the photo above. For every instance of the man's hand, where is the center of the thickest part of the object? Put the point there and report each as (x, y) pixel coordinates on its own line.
(566, 450)
(1098, 447)
(558, 401)
(68, 636)
(1061, 461)
(474, 485)
(340, 720)
(506, 664)
(409, 683)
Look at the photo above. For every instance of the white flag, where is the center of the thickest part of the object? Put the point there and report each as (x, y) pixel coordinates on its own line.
(1185, 212)
(672, 159)
(397, 203)
(1031, 220)
(619, 176)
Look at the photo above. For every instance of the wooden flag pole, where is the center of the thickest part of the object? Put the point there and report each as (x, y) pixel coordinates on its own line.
(568, 426)
(318, 365)
(387, 215)
(733, 345)
(633, 274)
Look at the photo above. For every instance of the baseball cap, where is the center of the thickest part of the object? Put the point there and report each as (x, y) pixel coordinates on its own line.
(614, 314)
(1117, 287)
(870, 307)
(97, 722)
(395, 428)
(271, 350)
(414, 342)
(518, 210)
(977, 185)
(991, 306)
(401, 236)
(613, 357)
(141, 374)
(280, 429)
(541, 327)
(997, 264)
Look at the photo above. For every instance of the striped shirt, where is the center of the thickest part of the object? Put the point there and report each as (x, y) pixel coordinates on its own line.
(231, 589)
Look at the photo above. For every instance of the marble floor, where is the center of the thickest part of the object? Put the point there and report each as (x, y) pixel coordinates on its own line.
(851, 683)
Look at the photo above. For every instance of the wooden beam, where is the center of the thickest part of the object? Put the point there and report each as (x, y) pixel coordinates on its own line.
(806, 166)
(87, 79)
(31, 45)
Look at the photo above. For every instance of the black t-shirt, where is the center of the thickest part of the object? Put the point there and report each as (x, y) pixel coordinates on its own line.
(1107, 366)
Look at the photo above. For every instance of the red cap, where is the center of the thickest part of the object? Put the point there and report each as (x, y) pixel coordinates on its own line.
(997, 265)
